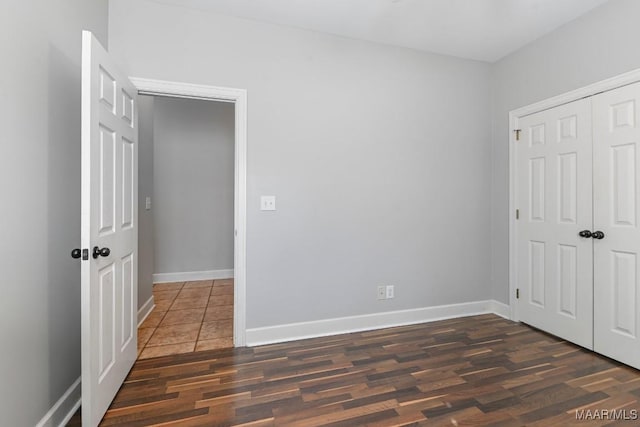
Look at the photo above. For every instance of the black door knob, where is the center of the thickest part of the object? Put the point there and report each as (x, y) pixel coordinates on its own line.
(585, 233)
(104, 252)
(76, 253)
(598, 235)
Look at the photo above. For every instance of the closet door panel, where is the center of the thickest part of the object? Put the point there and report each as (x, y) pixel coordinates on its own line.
(616, 119)
(554, 161)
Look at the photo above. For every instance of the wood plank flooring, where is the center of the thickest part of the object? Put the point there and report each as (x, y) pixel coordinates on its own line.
(480, 370)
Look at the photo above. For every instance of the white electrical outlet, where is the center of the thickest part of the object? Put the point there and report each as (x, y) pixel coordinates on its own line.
(390, 291)
(147, 203)
(382, 292)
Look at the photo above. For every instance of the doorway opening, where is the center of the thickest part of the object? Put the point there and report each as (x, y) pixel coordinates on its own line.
(192, 204)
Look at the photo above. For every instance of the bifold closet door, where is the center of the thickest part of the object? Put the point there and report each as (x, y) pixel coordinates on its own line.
(616, 167)
(554, 196)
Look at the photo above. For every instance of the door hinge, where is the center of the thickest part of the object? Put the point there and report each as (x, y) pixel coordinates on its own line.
(518, 293)
(517, 131)
(517, 213)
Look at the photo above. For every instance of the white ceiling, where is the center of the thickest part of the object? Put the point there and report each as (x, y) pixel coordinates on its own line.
(485, 30)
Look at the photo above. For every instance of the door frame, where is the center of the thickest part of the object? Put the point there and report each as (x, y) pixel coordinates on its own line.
(239, 98)
(514, 117)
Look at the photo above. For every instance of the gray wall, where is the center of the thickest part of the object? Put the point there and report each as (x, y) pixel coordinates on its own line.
(379, 158)
(40, 187)
(145, 189)
(600, 44)
(363, 145)
(193, 185)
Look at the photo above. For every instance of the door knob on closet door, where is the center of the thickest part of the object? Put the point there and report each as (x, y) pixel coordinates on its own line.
(104, 252)
(585, 233)
(598, 235)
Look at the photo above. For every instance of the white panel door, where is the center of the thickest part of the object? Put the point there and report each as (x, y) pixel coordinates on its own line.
(109, 229)
(554, 198)
(616, 145)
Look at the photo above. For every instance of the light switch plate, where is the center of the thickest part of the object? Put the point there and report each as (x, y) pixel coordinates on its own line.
(147, 203)
(268, 203)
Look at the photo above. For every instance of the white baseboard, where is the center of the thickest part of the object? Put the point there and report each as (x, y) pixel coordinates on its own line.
(60, 414)
(145, 310)
(500, 309)
(343, 325)
(187, 276)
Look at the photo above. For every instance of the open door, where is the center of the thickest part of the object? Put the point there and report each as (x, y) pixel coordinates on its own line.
(109, 229)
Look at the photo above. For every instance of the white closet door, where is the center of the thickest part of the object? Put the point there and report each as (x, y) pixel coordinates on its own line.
(554, 196)
(616, 140)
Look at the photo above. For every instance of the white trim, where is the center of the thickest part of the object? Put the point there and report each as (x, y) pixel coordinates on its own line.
(500, 309)
(186, 90)
(583, 92)
(145, 310)
(513, 203)
(239, 98)
(187, 276)
(389, 319)
(514, 116)
(60, 413)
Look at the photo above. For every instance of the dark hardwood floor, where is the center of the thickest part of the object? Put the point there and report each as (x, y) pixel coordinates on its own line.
(481, 370)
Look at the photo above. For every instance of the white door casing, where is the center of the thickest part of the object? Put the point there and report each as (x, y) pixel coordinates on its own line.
(109, 219)
(616, 142)
(553, 195)
(239, 98)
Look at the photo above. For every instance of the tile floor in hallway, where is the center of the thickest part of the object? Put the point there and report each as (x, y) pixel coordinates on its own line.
(188, 316)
